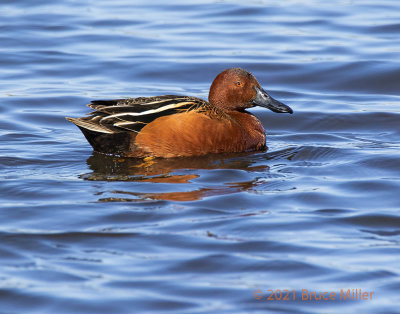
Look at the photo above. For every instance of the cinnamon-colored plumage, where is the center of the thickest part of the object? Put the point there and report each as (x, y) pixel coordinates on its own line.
(177, 126)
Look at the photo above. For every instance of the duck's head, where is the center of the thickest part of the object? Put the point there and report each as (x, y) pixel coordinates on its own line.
(238, 89)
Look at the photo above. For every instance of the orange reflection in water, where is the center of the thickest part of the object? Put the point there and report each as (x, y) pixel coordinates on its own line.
(169, 171)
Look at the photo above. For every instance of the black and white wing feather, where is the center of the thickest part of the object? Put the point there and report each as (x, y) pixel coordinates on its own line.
(132, 114)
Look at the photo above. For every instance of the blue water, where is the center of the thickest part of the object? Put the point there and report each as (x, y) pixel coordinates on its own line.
(85, 233)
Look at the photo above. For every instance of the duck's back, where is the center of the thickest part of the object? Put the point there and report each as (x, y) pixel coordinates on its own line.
(113, 125)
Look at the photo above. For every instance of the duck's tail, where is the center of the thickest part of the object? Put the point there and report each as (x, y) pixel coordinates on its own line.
(104, 140)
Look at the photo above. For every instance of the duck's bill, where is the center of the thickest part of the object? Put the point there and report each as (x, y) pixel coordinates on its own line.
(264, 100)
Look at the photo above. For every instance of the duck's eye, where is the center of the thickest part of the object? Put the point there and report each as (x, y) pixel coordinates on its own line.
(239, 84)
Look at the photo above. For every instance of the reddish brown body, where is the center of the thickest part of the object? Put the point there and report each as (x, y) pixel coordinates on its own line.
(195, 133)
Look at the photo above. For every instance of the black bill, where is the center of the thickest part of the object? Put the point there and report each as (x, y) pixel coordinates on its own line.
(264, 100)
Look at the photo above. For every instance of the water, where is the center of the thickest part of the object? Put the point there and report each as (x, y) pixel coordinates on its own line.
(319, 211)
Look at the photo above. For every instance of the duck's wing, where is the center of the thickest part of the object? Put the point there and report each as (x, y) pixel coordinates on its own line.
(132, 114)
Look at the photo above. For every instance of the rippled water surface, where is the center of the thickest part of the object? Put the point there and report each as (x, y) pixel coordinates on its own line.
(85, 233)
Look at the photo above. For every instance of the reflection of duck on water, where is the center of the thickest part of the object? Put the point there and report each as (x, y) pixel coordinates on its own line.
(111, 168)
(172, 170)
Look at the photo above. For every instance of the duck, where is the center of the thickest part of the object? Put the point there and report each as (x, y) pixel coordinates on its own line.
(182, 126)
